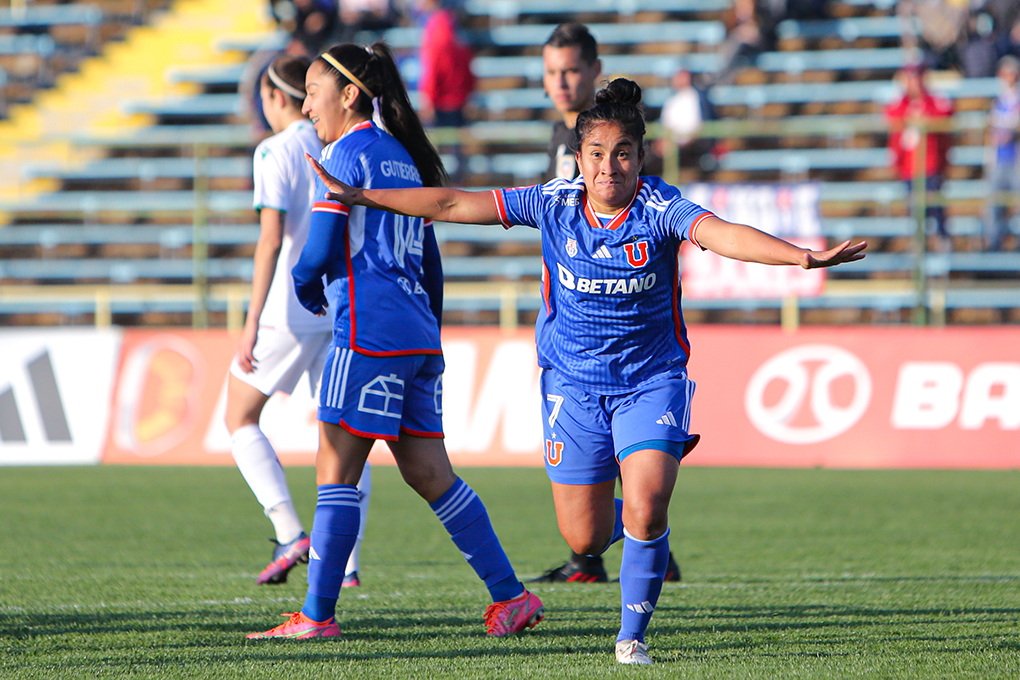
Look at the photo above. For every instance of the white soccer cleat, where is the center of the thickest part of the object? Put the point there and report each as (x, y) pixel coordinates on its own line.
(632, 652)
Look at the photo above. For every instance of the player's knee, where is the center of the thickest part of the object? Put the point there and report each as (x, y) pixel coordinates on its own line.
(646, 520)
(586, 540)
(428, 481)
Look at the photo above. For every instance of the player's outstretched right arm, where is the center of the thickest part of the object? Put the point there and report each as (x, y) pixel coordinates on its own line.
(436, 203)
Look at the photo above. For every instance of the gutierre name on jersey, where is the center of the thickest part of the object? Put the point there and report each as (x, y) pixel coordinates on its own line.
(627, 286)
(400, 169)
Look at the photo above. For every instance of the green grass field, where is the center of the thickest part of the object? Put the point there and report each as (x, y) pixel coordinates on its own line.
(149, 572)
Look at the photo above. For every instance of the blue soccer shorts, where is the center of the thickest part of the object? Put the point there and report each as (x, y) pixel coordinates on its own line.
(382, 397)
(587, 435)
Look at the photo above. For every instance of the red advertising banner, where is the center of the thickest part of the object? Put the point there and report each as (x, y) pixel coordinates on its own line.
(883, 397)
(831, 397)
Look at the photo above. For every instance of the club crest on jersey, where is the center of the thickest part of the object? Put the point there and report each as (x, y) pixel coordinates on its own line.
(571, 247)
(637, 253)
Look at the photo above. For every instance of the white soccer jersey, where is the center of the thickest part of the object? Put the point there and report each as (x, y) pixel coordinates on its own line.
(284, 181)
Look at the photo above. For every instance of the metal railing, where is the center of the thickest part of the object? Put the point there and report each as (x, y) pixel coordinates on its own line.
(928, 297)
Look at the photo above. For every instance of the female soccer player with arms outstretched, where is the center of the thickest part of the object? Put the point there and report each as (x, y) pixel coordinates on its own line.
(384, 367)
(615, 393)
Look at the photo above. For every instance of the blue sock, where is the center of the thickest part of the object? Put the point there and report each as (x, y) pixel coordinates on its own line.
(462, 513)
(618, 527)
(641, 573)
(334, 531)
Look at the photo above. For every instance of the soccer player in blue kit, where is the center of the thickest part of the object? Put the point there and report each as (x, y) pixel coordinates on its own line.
(384, 367)
(611, 338)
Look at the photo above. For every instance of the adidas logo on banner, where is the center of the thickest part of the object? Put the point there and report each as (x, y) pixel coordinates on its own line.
(43, 383)
(643, 608)
(602, 253)
(667, 419)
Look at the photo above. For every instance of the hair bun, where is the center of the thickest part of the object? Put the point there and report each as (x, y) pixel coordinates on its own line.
(620, 91)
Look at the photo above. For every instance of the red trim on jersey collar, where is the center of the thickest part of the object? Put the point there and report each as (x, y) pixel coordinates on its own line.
(620, 218)
(363, 125)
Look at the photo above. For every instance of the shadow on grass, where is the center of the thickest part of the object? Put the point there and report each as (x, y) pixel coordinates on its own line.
(73, 642)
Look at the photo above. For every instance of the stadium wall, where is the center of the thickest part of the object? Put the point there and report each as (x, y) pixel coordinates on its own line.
(859, 397)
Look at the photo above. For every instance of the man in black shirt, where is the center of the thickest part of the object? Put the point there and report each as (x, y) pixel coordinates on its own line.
(571, 68)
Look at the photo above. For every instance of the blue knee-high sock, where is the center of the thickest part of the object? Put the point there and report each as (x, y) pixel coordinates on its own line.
(641, 573)
(462, 513)
(617, 527)
(334, 532)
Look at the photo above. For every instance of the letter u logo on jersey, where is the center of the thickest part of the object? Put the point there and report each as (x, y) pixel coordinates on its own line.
(553, 452)
(637, 253)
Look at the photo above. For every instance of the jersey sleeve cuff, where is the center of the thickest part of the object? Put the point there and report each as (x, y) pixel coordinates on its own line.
(692, 234)
(331, 207)
(504, 219)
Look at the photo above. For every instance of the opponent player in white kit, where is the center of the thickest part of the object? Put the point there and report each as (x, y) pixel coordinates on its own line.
(610, 334)
(281, 340)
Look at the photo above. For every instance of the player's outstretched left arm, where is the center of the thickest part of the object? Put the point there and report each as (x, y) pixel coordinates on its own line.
(435, 203)
(740, 242)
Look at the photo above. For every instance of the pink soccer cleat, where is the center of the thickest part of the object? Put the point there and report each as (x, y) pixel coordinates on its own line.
(299, 627)
(513, 616)
(285, 557)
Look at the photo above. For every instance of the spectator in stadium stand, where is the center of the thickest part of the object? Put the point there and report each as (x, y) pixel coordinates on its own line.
(682, 117)
(611, 338)
(978, 51)
(1002, 169)
(310, 22)
(940, 25)
(280, 341)
(380, 278)
(1008, 43)
(446, 82)
(366, 15)
(753, 31)
(571, 65)
(917, 109)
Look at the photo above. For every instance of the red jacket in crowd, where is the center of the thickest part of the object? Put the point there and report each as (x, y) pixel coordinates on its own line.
(905, 137)
(446, 80)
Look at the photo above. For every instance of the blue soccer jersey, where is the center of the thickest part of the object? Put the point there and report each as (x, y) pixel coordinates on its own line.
(611, 318)
(376, 285)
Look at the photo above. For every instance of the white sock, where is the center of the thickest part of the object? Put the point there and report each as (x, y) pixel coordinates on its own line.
(261, 468)
(364, 494)
(286, 522)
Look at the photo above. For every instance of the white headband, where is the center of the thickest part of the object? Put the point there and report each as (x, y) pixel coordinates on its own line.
(289, 89)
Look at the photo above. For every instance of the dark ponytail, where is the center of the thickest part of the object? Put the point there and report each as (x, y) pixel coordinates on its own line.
(618, 102)
(291, 71)
(379, 75)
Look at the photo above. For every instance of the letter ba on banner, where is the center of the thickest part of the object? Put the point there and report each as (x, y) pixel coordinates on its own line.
(789, 211)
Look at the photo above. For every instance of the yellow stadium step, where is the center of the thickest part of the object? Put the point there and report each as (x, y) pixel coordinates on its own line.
(89, 102)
